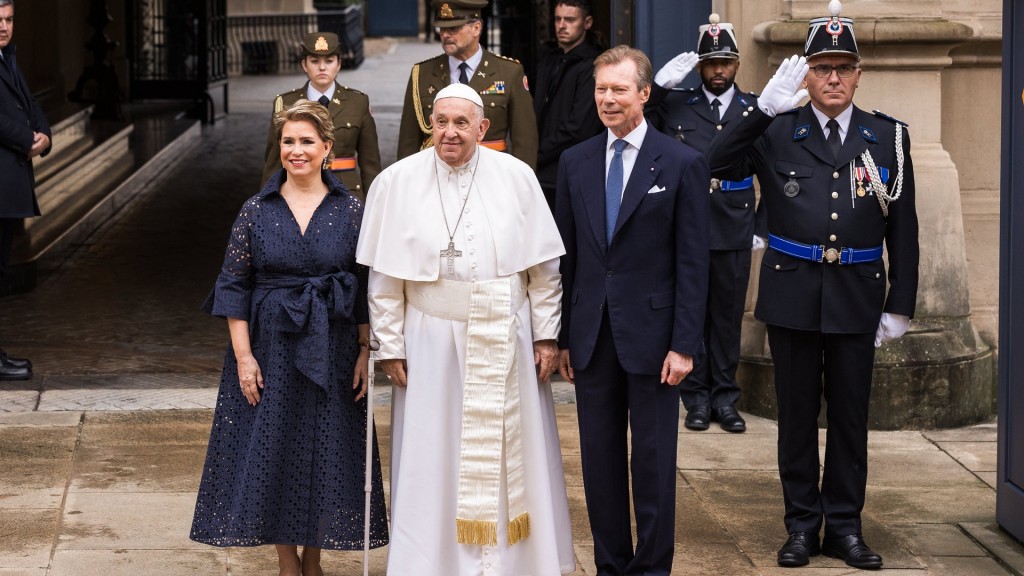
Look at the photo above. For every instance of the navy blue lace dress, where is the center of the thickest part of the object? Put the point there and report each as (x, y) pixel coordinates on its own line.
(290, 469)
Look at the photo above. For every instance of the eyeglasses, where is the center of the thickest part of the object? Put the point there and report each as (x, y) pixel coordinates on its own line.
(843, 70)
(454, 29)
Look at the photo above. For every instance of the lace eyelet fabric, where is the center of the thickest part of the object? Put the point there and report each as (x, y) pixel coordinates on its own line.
(290, 470)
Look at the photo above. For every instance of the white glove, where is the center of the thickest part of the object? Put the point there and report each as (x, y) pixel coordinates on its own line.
(758, 243)
(891, 327)
(783, 91)
(673, 72)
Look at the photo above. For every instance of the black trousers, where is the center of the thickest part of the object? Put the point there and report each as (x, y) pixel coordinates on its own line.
(808, 364)
(7, 229)
(713, 381)
(608, 399)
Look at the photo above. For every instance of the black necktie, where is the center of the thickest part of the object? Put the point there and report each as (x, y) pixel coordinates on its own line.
(716, 111)
(834, 142)
(463, 75)
(324, 101)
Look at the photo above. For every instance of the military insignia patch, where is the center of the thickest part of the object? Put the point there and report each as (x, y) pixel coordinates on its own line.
(867, 134)
(430, 90)
(321, 44)
(802, 132)
(693, 100)
(498, 87)
(446, 11)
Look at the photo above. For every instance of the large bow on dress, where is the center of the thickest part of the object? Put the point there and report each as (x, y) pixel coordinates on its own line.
(307, 309)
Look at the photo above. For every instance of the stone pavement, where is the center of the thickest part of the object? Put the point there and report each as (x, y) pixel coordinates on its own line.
(100, 454)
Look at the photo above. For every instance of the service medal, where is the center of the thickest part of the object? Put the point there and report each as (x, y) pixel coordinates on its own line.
(791, 188)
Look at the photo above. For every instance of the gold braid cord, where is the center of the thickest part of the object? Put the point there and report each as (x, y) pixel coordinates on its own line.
(417, 105)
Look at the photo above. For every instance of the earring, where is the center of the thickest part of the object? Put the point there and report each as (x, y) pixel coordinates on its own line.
(325, 163)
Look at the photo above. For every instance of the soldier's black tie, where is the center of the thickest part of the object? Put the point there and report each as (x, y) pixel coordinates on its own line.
(324, 101)
(463, 73)
(716, 109)
(834, 142)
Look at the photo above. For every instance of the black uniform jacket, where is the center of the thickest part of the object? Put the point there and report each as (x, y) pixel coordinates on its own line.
(564, 105)
(502, 85)
(685, 114)
(826, 210)
(355, 135)
(20, 116)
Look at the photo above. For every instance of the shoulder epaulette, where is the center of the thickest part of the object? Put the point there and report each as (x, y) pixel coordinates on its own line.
(889, 118)
(351, 89)
(507, 58)
(278, 103)
(690, 90)
(431, 58)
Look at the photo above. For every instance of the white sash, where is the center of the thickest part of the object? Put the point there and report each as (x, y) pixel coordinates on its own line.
(491, 424)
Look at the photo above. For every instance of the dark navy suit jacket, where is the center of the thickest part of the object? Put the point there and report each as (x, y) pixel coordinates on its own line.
(20, 116)
(653, 278)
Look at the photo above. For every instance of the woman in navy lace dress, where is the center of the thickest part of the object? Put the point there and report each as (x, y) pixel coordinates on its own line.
(284, 464)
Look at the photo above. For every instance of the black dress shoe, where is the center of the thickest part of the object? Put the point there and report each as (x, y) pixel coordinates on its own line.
(698, 418)
(11, 372)
(852, 550)
(729, 419)
(798, 549)
(16, 362)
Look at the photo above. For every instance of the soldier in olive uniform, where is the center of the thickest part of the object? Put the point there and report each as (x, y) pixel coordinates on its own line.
(500, 81)
(839, 184)
(356, 156)
(696, 117)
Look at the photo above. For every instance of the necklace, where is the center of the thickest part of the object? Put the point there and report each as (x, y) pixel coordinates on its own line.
(451, 253)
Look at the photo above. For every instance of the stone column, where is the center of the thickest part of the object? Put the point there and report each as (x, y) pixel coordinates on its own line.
(940, 373)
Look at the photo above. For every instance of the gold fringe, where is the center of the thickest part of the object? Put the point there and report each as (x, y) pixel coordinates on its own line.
(519, 528)
(479, 532)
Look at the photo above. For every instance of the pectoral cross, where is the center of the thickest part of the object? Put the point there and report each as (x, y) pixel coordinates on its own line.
(451, 254)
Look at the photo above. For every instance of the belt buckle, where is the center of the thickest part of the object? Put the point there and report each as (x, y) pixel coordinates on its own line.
(716, 184)
(831, 255)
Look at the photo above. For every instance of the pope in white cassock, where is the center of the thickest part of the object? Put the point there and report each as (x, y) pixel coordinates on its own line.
(465, 297)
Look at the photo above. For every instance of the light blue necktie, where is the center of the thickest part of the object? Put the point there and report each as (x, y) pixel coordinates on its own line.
(613, 189)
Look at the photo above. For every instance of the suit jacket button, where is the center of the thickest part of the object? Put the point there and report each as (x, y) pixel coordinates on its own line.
(832, 238)
(778, 267)
(835, 216)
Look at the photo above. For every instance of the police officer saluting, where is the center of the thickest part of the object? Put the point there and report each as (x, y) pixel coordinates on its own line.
(356, 155)
(500, 81)
(696, 117)
(838, 183)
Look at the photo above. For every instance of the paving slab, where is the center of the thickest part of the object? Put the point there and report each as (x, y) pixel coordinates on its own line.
(931, 505)
(31, 419)
(998, 543)
(937, 540)
(128, 520)
(153, 468)
(974, 456)
(129, 562)
(36, 463)
(27, 537)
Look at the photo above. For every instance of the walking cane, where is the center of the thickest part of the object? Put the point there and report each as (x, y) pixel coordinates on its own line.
(373, 346)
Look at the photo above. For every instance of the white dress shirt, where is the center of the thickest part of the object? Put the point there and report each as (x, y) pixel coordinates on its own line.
(313, 95)
(633, 141)
(843, 120)
(473, 61)
(725, 98)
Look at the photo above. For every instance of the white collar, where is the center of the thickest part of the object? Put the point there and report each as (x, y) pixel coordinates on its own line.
(634, 138)
(313, 94)
(725, 98)
(473, 61)
(843, 119)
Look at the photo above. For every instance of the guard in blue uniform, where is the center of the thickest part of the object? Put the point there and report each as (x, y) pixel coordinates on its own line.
(838, 184)
(696, 117)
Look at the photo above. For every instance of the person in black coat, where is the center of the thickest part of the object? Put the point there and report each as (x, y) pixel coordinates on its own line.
(564, 102)
(24, 134)
(839, 184)
(696, 117)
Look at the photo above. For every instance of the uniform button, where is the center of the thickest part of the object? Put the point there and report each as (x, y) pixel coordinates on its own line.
(832, 238)
(492, 104)
(358, 186)
(835, 216)
(835, 175)
(877, 275)
(746, 205)
(679, 127)
(719, 127)
(750, 109)
(778, 267)
(792, 173)
(835, 194)
(746, 113)
(348, 124)
(473, 266)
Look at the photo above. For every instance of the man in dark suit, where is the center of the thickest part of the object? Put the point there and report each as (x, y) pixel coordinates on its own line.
(696, 117)
(566, 114)
(356, 156)
(500, 81)
(632, 210)
(24, 134)
(838, 183)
